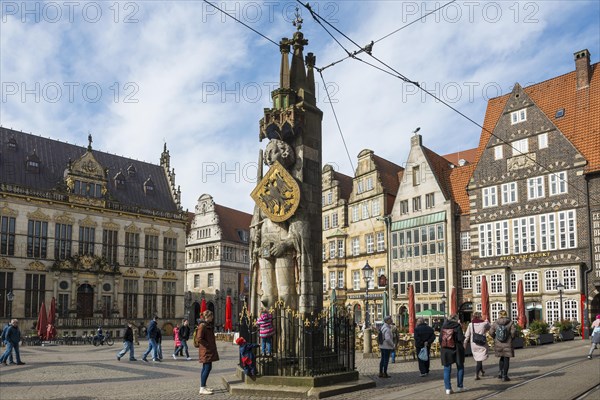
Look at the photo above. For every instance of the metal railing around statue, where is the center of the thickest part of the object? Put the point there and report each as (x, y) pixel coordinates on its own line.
(304, 345)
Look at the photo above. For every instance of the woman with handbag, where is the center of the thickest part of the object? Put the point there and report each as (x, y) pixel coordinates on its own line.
(424, 337)
(476, 336)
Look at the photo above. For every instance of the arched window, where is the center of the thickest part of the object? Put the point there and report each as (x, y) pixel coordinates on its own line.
(552, 311)
(496, 308)
(530, 282)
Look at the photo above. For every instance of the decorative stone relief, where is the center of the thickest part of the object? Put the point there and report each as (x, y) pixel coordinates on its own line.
(64, 218)
(7, 211)
(132, 228)
(5, 264)
(152, 231)
(110, 225)
(170, 233)
(38, 215)
(150, 274)
(36, 266)
(170, 276)
(520, 162)
(131, 273)
(88, 222)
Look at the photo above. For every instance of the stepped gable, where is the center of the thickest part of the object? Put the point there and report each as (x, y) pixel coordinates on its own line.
(581, 121)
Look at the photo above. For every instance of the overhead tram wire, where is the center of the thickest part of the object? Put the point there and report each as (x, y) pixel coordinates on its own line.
(400, 76)
(237, 20)
(388, 35)
(336, 120)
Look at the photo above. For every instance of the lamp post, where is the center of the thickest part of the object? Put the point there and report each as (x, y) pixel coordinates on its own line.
(367, 276)
(560, 287)
(10, 297)
(444, 304)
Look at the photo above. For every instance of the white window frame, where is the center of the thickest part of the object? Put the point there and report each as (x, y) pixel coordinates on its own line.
(496, 284)
(465, 241)
(557, 183)
(478, 286)
(430, 200)
(535, 188)
(509, 193)
(531, 282)
(355, 246)
(552, 311)
(543, 141)
(416, 201)
(355, 213)
(569, 278)
(498, 153)
(369, 185)
(326, 222)
(570, 310)
(355, 280)
(520, 147)
(375, 207)
(495, 309)
(340, 246)
(567, 229)
(332, 279)
(490, 197)
(365, 210)
(340, 278)
(380, 238)
(548, 232)
(370, 243)
(513, 283)
(404, 207)
(466, 279)
(551, 279)
(518, 116)
(334, 220)
(514, 311)
(332, 249)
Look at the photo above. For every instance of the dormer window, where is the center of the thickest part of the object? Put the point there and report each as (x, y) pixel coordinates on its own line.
(131, 171)
(243, 235)
(119, 180)
(518, 116)
(32, 164)
(87, 189)
(12, 143)
(149, 186)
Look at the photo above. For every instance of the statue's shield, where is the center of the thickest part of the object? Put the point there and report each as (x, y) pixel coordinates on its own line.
(277, 194)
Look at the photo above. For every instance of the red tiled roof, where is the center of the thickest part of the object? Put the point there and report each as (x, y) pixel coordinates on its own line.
(458, 179)
(440, 166)
(388, 173)
(231, 222)
(580, 123)
(469, 156)
(345, 184)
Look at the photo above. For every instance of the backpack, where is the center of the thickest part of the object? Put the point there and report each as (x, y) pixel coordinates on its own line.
(448, 338)
(196, 337)
(380, 337)
(502, 333)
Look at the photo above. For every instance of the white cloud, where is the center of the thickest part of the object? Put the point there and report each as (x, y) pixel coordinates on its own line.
(201, 81)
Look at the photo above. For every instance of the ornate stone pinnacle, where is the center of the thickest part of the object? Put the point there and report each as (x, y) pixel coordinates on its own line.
(298, 21)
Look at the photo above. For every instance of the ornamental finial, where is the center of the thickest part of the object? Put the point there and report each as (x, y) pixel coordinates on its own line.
(298, 20)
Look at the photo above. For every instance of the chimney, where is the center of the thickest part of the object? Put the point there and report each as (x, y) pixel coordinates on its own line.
(582, 68)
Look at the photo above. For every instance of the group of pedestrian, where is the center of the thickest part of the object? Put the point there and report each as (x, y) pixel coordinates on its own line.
(11, 336)
(454, 341)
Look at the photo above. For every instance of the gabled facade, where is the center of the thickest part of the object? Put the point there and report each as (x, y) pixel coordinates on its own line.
(336, 192)
(217, 259)
(423, 243)
(534, 195)
(103, 234)
(374, 189)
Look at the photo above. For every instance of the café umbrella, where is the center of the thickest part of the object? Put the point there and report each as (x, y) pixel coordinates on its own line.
(411, 309)
(228, 322)
(521, 317)
(485, 299)
(51, 329)
(42, 322)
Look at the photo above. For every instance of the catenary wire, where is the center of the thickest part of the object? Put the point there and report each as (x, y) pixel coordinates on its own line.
(398, 75)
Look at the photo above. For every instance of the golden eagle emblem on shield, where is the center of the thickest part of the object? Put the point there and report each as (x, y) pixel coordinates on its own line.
(277, 194)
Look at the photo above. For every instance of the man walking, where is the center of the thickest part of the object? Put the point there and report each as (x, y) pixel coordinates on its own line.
(3, 341)
(13, 337)
(152, 335)
(184, 335)
(127, 343)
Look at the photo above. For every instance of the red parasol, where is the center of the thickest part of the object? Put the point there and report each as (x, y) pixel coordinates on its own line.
(202, 305)
(411, 309)
(521, 317)
(453, 302)
(51, 330)
(42, 322)
(228, 323)
(485, 299)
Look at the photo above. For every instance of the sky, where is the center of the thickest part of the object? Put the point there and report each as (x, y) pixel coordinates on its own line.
(139, 74)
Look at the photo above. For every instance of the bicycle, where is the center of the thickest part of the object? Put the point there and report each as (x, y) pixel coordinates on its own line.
(100, 340)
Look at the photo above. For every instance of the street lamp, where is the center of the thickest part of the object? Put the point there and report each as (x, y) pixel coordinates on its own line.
(560, 287)
(367, 276)
(10, 297)
(444, 304)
